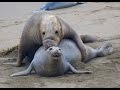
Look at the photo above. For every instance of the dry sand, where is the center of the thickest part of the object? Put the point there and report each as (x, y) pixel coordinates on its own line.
(98, 19)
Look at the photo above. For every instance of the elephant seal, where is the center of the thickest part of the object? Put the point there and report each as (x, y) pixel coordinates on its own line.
(57, 5)
(45, 25)
(55, 61)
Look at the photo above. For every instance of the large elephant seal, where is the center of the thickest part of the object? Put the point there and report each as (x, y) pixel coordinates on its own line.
(56, 61)
(45, 25)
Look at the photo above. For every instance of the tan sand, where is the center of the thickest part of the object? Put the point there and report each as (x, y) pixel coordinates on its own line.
(98, 19)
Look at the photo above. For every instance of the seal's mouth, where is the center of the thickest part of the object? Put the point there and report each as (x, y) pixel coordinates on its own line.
(49, 43)
(56, 55)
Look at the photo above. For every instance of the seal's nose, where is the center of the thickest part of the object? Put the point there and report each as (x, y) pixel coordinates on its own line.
(50, 38)
(57, 53)
(49, 43)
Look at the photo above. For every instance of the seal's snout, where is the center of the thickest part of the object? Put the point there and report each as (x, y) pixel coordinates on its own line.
(49, 43)
(56, 54)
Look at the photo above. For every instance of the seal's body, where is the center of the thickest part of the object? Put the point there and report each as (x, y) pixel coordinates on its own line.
(57, 5)
(56, 61)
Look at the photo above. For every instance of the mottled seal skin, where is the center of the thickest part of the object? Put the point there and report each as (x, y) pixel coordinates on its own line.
(55, 61)
(45, 25)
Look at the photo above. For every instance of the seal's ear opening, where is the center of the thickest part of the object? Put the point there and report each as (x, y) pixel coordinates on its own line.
(49, 43)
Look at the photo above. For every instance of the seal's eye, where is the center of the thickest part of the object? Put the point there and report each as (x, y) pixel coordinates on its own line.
(56, 32)
(43, 33)
(60, 49)
(50, 48)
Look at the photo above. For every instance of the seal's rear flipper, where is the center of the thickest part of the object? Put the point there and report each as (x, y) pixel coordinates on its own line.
(24, 73)
(105, 49)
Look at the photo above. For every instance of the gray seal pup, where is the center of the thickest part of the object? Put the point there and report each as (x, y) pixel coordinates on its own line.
(55, 61)
(45, 25)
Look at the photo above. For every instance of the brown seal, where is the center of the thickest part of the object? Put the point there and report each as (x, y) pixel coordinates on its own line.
(42, 26)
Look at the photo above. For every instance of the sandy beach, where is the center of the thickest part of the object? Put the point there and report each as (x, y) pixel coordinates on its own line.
(99, 19)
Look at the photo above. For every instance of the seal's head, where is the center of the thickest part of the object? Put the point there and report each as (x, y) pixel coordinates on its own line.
(54, 52)
(51, 28)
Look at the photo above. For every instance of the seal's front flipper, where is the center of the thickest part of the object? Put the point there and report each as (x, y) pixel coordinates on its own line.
(78, 72)
(24, 73)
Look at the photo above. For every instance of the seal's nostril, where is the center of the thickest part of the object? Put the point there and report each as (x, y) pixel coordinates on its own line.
(57, 55)
(50, 48)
